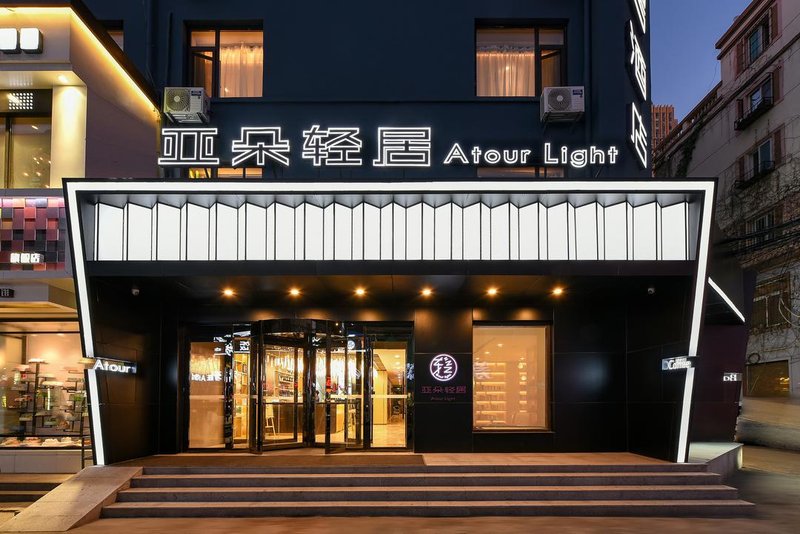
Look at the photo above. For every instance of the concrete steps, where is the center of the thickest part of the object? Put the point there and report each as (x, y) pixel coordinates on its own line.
(446, 491)
(21, 488)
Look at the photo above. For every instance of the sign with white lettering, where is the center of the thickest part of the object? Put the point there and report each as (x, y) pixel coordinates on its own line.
(122, 367)
(677, 363)
(6, 293)
(405, 147)
(731, 377)
(26, 258)
(635, 34)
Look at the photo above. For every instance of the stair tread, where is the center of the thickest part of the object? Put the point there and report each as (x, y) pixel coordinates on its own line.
(406, 504)
(275, 489)
(23, 492)
(425, 475)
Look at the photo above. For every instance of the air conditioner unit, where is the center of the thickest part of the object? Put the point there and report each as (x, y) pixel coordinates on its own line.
(562, 104)
(186, 105)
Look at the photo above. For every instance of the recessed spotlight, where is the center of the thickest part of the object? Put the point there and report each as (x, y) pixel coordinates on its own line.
(360, 292)
(61, 78)
(427, 292)
(228, 292)
(492, 291)
(558, 291)
(294, 292)
(396, 355)
(500, 345)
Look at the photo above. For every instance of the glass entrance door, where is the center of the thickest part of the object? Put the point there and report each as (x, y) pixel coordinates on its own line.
(389, 394)
(281, 414)
(324, 384)
(339, 382)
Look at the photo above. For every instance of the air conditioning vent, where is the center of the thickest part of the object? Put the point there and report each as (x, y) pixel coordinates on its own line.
(186, 105)
(562, 104)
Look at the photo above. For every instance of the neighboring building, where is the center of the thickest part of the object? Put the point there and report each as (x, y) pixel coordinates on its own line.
(71, 106)
(663, 117)
(747, 132)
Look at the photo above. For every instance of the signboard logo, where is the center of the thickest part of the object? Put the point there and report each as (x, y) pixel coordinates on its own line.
(677, 363)
(731, 377)
(115, 366)
(443, 367)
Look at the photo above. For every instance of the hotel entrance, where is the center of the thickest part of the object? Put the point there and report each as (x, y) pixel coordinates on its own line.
(297, 383)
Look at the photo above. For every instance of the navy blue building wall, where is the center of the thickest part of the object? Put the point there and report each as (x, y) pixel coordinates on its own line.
(366, 63)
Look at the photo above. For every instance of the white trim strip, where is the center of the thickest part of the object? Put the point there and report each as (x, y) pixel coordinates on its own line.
(97, 427)
(384, 187)
(727, 300)
(697, 319)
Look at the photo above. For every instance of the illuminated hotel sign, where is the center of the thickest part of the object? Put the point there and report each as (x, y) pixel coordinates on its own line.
(635, 32)
(14, 41)
(405, 147)
(115, 366)
(443, 368)
(677, 363)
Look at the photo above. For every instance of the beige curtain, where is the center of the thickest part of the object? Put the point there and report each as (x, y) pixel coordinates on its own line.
(506, 71)
(241, 70)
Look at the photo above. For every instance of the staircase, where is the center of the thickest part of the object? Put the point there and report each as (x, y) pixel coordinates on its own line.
(685, 490)
(17, 491)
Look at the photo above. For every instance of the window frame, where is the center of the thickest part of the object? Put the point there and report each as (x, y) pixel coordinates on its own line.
(537, 65)
(763, 294)
(548, 380)
(192, 51)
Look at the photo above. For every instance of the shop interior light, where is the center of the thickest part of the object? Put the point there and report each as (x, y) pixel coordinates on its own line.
(492, 291)
(228, 292)
(294, 292)
(360, 292)
(427, 292)
(558, 291)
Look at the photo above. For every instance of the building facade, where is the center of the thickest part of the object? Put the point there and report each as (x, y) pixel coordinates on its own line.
(663, 117)
(71, 105)
(746, 133)
(436, 233)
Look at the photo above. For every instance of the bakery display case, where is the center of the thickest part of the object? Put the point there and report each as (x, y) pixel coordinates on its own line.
(45, 406)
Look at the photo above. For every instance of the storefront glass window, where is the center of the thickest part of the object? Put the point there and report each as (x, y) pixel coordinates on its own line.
(42, 394)
(510, 377)
(770, 379)
(29, 152)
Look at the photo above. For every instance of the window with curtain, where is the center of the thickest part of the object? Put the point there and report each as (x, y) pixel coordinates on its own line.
(518, 62)
(228, 63)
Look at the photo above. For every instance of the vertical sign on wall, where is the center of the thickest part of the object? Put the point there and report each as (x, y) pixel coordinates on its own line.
(635, 34)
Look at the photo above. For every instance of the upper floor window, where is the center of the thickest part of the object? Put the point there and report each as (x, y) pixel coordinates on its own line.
(756, 41)
(518, 61)
(761, 228)
(25, 152)
(771, 306)
(227, 63)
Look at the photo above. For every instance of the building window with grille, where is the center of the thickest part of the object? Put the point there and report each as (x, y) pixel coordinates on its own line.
(227, 63)
(771, 304)
(518, 62)
(761, 228)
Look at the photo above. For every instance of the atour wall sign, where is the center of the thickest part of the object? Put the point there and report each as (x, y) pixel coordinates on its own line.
(108, 365)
